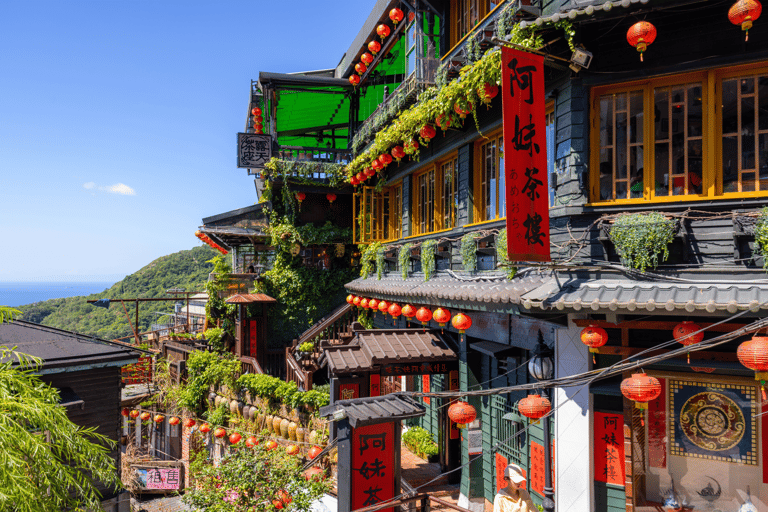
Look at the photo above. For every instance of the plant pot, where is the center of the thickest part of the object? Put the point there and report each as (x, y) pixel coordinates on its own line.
(233, 408)
(292, 427)
(260, 418)
(253, 412)
(276, 424)
(246, 412)
(312, 439)
(301, 434)
(284, 428)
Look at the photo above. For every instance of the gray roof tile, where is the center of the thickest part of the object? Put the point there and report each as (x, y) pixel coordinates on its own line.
(379, 409)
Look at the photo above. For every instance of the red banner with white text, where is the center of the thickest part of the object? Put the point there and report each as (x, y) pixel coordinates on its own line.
(525, 155)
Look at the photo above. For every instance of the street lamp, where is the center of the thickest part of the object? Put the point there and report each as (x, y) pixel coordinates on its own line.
(542, 368)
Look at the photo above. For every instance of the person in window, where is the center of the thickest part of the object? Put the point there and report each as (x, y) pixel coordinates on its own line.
(250, 269)
(513, 498)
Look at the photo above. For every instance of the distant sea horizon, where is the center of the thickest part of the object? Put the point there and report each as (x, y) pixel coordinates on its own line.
(20, 293)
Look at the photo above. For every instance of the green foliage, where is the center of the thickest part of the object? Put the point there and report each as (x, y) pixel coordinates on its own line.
(420, 442)
(404, 259)
(269, 388)
(216, 306)
(640, 238)
(185, 269)
(469, 251)
(37, 475)
(297, 171)
(219, 415)
(501, 254)
(206, 369)
(284, 234)
(370, 254)
(215, 337)
(761, 235)
(259, 385)
(240, 481)
(307, 346)
(379, 262)
(7, 314)
(428, 258)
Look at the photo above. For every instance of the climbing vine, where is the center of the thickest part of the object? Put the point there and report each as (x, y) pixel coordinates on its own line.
(502, 257)
(379, 262)
(641, 238)
(428, 258)
(761, 235)
(404, 259)
(302, 172)
(469, 251)
(369, 256)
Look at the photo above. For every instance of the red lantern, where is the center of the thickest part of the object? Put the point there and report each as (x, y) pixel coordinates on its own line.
(330, 197)
(354, 181)
(175, 420)
(394, 310)
(314, 452)
(235, 438)
(251, 442)
(684, 333)
(383, 307)
(376, 164)
(145, 416)
(258, 131)
(385, 159)
(134, 414)
(462, 413)
(396, 15)
(361, 177)
(189, 423)
(373, 304)
(594, 337)
(369, 172)
(411, 146)
(350, 298)
(408, 311)
(443, 122)
(300, 196)
(754, 355)
(354, 79)
(398, 152)
(374, 47)
(640, 35)
(743, 13)
(270, 445)
(159, 418)
(205, 428)
(383, 31)
(427, 132)
(219, 432)
(313, 472)
(284, 496)
(364, 303)
(423, 315)
(461, 322)
(366, 58)
(641, 389)
(534, 407)
(125, 412)
(361, 68)
(256, 111)
(441, 316)
(462, 111)
(487, 92)
(292, 449)
(356, 301)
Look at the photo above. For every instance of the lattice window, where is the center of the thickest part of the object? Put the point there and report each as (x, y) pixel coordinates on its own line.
(745, 134)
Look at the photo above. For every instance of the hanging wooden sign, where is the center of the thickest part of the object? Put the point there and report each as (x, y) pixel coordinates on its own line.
(609, 448)
(373, 464)
(525, 156)
(253, 150)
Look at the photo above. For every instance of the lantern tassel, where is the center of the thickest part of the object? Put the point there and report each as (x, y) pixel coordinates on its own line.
(746, 38)
(689, 358)
(641, 56)
(593, 358)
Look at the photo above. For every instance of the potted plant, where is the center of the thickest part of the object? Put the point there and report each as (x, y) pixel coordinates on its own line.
(304, 350)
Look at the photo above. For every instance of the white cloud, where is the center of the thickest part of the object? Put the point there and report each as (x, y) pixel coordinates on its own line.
(117, 188)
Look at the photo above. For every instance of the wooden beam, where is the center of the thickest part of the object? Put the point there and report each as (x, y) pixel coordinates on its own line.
(653, 324)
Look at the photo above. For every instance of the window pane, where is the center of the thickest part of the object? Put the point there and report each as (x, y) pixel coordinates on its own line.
(748, 182)
(662, 169)
(621, 147)
(606, 121)
(730, 107)
(606, 174)
(636, 171)
(661, 112)
(678, 139)
(695, 121)
(636, 117)
(762, 101)
(763, 159)
(694, 167)
(747, 130)
(730, 164)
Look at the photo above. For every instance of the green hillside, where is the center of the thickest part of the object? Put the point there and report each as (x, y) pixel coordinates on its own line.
(184, 269)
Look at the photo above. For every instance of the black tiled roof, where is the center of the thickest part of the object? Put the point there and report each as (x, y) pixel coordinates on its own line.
(378, 409)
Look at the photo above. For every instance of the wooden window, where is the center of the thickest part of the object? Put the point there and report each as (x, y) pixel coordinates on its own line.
(378, 215)
(489, 179)
(435, 197)
(465, 14)
(698, 136)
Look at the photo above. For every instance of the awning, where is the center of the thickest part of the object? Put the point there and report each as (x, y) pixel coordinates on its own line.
(379, 409)
(244, 226)
(249, 298)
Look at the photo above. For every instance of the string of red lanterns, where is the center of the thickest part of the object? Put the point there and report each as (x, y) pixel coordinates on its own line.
(207, 240)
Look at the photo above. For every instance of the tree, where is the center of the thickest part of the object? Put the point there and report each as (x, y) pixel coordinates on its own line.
(47, 463)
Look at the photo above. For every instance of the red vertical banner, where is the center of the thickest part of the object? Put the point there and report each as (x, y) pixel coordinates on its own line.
(537, 466)
(764, 428)
(373, 464)
(501, 465)
(253, 337)
(425, 387)
(657, 429)
(609, 448)
(453, 385)
(525, 155)
(349, 391)
(375, 386)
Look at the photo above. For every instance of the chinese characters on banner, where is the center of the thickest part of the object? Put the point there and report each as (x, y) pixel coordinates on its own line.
(253, 150)
(349, 391)
(253, 337)
(453, 385)
(537, 466)
(375, 385)
(373, 464)
(609, 448)
(425, 383)
(525, 156)
(159, 478)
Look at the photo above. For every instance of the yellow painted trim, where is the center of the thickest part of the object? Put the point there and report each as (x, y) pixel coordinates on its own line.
(710, 168)
(480, 22)
(484, 222)
(430, 233)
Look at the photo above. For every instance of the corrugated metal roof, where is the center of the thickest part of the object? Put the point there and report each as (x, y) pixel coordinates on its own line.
(614, 294)
(494, 290)
(378, 409)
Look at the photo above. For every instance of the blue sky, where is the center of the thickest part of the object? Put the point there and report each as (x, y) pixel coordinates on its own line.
(118, 121)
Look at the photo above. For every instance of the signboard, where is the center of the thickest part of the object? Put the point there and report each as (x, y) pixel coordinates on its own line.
(375, 385)
(425, 387)
(164, 479)
(537, 466)
(475, 437)
(525, 156)
(418, 368)
(349, 391)
(609, 448)
(253, 151)
(373, 464)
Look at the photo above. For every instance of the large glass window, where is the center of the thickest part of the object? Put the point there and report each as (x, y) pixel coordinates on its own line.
(621, 145)
(378, 215)
(435, 197)
(465, 14)
(491, 198)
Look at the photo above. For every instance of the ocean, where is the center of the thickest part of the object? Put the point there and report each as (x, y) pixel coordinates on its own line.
(20, 293)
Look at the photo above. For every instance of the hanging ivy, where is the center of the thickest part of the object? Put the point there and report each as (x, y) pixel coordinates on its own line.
(304, 172)
(379, 262)
(761, 235)
(404, 259)
(469, 251)
(367, 259)
(502, 257)
(641, 238)
(428, 258)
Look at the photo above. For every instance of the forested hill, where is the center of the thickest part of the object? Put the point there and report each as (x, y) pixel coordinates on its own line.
(185, 269)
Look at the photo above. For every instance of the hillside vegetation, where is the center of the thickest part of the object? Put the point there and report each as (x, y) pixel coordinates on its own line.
(185, 269)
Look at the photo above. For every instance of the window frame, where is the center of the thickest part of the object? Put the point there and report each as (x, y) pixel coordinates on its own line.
(712, 134)
(484, 10)
(478, 196)
(394, 195)
(438, 198)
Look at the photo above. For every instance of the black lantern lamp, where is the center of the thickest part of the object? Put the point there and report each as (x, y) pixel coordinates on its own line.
(542, 368)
